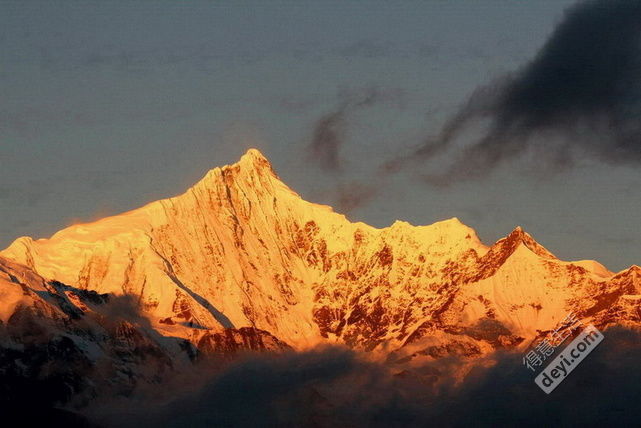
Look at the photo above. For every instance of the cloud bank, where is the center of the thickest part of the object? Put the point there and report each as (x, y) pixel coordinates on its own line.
(335, 387)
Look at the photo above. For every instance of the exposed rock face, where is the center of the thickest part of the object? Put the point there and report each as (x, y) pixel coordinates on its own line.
(240, 261)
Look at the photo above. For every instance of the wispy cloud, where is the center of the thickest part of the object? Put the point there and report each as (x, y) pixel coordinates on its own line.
(330, 134)
(330, 130)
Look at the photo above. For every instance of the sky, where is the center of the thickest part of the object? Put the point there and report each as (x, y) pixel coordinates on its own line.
(105, 106)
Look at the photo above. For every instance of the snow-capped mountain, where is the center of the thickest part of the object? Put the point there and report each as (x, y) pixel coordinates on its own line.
(240, 261)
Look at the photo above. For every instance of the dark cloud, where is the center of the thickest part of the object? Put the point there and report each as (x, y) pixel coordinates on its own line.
(329, 136)
(346, 195)
(599, 392)
(336, 387)
(580, 96)
(329, 132)
(329, 386)
(352, 195)
(327, 139)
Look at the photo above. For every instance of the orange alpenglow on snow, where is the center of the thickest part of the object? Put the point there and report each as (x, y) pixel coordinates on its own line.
(240, 251)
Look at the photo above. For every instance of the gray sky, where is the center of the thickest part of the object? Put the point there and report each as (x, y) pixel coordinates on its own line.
(105, 106)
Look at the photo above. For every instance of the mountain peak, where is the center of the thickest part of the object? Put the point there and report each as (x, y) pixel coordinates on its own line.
(252, 167)
(634, 269)
(253, 158)
(240, 250)
(519, 236)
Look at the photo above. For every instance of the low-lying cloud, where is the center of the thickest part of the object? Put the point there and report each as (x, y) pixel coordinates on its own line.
(337, 387)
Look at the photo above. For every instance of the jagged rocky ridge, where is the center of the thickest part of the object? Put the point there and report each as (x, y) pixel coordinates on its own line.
(241, 262)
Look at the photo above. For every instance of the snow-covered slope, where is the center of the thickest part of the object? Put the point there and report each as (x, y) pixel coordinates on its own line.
(241, 250)
(61, 344)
